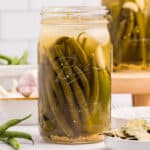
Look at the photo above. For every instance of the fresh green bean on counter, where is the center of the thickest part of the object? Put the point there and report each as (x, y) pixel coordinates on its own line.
(75, 93)
(6, 60)
(9, 137)
(130, 33)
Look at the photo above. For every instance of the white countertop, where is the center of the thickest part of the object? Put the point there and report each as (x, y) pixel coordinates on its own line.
(40, 145)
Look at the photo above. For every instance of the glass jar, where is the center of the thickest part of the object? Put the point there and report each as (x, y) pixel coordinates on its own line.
(130, 34)
(74, 74)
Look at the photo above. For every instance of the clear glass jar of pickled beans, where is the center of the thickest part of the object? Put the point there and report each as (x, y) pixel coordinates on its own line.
(74, 74)
(130, 34)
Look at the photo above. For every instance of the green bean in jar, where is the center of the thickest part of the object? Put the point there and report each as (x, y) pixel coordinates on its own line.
(74, 74)
(130, 34)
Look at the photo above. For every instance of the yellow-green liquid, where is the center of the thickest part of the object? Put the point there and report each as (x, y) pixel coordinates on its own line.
(74, 83)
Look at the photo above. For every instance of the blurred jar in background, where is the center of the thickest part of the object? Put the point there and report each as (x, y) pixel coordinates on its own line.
(74, 74)
(130, 34)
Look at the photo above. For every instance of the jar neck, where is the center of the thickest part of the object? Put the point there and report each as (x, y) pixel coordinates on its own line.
(74, 12)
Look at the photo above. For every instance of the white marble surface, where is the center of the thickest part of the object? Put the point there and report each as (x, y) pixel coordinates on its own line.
(8, 108)
(40, 145)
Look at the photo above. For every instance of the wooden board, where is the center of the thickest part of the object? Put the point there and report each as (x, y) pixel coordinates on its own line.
(135, 83)
(20, 98)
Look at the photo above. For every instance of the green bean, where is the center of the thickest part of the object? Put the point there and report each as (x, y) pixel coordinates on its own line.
(104, 87)
(16, 134)
(84, 80)
(80, 40)
(136, 52)
(66, 89)
(15, 60)
(68, 86)
(55, 84)
(12, 142)
(82, 104)
(76, 88)
(84, 43)
(75, 46)
(61, 121)
(115, 24)
(142, 48)
(11, 123)
(127, 35)
(88, 43)
(107, 54)
(86, 47)
(94, 83)
(23, 59)
(6, 58)
(121, 30)
(134, 46)
(42, 94)
(140, 24)
(117, 52)
(63, 41)
(79, 36)
(47, 119)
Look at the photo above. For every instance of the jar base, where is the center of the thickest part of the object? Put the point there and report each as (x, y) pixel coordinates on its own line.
(130, 67)
(94, 138)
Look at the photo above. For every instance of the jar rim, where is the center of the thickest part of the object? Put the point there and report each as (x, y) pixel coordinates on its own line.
(82, 10)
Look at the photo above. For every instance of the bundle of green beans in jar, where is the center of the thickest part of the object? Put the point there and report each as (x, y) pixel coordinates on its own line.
(74, 78)
(130, 34)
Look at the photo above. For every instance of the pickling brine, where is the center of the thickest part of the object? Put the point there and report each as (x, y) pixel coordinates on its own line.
(74, 75)
(130, 34)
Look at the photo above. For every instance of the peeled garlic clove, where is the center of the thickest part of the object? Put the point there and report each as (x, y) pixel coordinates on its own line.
(27, 84)
(141, 4)
(131, 5)
(101, 35)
